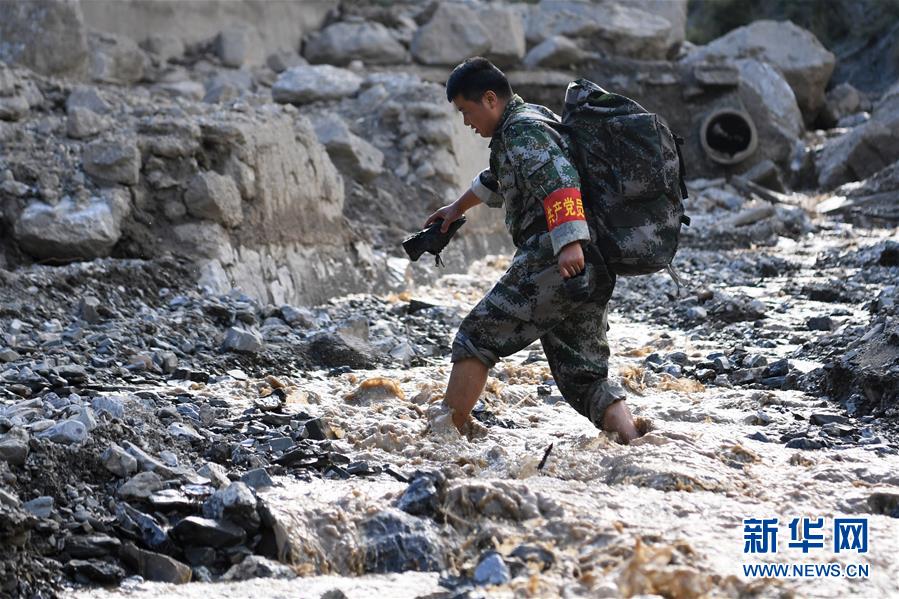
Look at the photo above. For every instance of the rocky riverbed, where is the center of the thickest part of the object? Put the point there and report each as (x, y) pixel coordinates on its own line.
(154, 433)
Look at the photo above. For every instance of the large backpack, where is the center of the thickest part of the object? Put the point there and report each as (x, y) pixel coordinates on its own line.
(632, 176)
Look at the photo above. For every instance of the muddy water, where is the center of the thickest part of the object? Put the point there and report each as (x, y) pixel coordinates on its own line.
(661, 516)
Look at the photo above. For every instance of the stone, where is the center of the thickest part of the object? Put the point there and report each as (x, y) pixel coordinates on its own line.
(553, 52)
(68, 231)
(697, 313)
(257, 478)
(394, 541)
(215, 197)
(242, 341)
(256, 566)
(794, 51)
(340, 43)
(840, 102)
(334, 350)
(94, 570)
(354, 156)
(282, 60)
(819, 323)
(505, 23)
(822, 418)
(87, 97)
(9, 355)
(179, 430)
(116, 160)
(804, 443)
(92, 546)
(88, 309)
(297, 317)
(239, 46)
(422, 496)
(115, 59)
(491, 570)
(111, 406)
(67, 432)
(236, 504)
(305, 84)
(140, 486)
(191, 90)
(14, 446)
(47, 36)
(164, 47)
(156, 566)
(118, 461)
(453, 34)
(215, 473)
(40, 507)
(197, 531)
(14, 108)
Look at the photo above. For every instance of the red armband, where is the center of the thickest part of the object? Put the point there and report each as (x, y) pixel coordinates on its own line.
(562, 206)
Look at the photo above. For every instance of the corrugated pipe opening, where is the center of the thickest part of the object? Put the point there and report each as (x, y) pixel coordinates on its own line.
(728, 136)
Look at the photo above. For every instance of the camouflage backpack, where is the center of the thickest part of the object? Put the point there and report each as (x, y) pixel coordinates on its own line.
(632, 177)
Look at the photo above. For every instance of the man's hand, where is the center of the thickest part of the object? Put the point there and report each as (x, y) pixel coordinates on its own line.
(449, 214)
(571, 260)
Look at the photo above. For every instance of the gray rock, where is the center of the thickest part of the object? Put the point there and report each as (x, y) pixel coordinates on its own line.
(242, 340)
(91, 546)
(40, 507)
(67, 432)
(257, 478)
(95, 570)
(88, 309)
(256, 566)
(113, 160)
(83, 123)
(354, 156)
(118, 461)
(282, 60)
(697, 313)
(215, 473)
(305, 84)
(115, 59)
(298, 317)
(192, 90)
(14, 446)
(840, 102)
(822, 418)
(341, 43)
(14, 108)
(114, 407)
(85, 416)
(819, 323)
(146, 462)
(236, 503)
(164, 47)
(156, 566)
(47, 36)
(85, 96)
(197, 531)
(394, 541)
(140, 486)
(491, 570)
(67, 231)
(215, 197)
(553, 52)
(506, 26)
(239, 46)
(453, 34)
(180, 430)
(9, 355)
(795, 52)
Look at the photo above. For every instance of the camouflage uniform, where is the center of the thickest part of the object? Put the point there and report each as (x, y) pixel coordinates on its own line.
(532, 176)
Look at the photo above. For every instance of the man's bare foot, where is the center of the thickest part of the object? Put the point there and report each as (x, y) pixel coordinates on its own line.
(618, 418)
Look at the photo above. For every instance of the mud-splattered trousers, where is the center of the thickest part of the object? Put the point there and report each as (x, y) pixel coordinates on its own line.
(531, 175)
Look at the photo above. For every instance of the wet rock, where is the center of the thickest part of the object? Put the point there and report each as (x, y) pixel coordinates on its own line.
(341, 43)
(884, 502)
(67, 432)
(115, 59)
(48, 37)
(394, 541)
(804, 443)
(115, 160)
(334, 349)
(140, 486)
(822, 418)
(778, 368)
(242, 341)
(795, 52)
(304, 84)
(155, 566)
(235, 503)
(67, 231)
(40, 507)
(840, 102)
(14, 446)
(215, 197)
(353, 155)
(506, 27)
(142, 526)
(453, 34)
(171, 500)
(179, 430)
(553, 52)
(491, 570)
(92, 546)
(94, 570)
(257, 478)
(819, 323)
(197, 531)
(422, 496)
(759, 436)
(239, 46)
(256, 566)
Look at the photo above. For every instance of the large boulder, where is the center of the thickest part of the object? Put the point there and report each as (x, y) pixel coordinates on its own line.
(865, 149)
(354, 156)
(341, 43)
(304, 84)
(68, 231)
(453, 34)
(554, 52)
(506, 27)
(797, 53)
(214, 197)
(47, 36)
(116, 59)
(674, 11)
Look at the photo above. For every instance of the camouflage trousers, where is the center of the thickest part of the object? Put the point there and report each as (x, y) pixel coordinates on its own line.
(529, 302)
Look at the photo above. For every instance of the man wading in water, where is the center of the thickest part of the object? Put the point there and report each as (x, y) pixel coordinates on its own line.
(532, 175)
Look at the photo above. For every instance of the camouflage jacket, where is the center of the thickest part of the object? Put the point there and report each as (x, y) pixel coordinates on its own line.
(531, 174)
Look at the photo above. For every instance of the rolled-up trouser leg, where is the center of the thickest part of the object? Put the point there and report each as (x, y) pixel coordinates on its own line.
(529, 302)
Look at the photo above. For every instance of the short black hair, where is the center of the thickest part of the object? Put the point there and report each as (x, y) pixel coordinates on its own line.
(475, 77)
